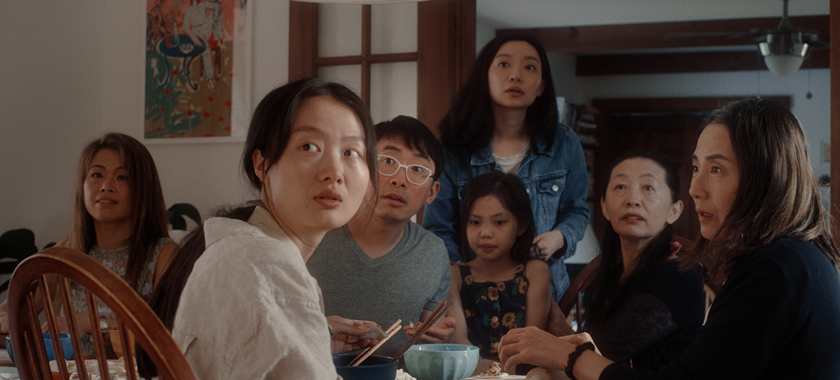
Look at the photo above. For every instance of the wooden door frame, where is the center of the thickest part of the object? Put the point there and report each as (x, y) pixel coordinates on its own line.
(445, 51)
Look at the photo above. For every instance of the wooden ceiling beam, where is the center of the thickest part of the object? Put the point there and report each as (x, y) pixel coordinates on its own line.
(652, 36)
(699, 104)
(671, 63)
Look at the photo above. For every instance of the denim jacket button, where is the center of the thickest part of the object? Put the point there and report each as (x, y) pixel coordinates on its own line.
(554, 187)
(528, 191)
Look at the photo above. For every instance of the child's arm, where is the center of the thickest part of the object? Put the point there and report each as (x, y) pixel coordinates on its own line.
(539, 294)
(457, 309)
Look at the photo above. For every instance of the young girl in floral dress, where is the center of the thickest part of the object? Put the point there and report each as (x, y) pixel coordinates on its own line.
(501, 288)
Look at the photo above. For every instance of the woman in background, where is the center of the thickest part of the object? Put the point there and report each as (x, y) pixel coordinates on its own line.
(642, 309)
(505, 119)
(761, 215)
(119, 219)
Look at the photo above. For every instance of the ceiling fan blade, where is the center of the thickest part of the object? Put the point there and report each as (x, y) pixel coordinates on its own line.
(819, 44)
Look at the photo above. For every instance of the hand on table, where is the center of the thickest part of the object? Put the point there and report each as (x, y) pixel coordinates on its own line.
(439, 333)
(531, 345)
(345, 328)
(548, 243)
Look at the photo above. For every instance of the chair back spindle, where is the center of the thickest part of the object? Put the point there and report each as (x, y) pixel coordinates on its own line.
(43, 282)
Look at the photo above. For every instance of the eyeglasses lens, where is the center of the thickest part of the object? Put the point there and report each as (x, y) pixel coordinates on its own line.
(390, 166)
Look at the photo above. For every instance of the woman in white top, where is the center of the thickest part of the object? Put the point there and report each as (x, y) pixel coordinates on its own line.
(249, 308)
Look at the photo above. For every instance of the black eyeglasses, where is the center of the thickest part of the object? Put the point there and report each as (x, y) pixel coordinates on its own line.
(416, 174)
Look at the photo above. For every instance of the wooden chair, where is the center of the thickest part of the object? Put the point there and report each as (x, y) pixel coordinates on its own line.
(29, 290)
(573, 294)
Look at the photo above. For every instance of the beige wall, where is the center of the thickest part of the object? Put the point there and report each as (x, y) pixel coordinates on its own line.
(70, 71)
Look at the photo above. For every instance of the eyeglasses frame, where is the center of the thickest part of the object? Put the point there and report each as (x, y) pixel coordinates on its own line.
(400, 164)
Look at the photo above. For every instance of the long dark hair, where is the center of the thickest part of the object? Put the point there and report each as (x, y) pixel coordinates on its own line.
(269, 133)
(778, 195)
(511, 193)
(148, 209)
(468, 125)
(607, 284)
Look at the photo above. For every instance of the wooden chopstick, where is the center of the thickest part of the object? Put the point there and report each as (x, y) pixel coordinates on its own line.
(391, 331)
(439, 311)
(394, 327)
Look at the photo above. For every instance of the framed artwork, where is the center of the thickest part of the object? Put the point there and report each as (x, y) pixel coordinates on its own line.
(198, 55)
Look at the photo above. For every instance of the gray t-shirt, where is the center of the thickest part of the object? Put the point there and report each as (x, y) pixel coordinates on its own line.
(413, 276)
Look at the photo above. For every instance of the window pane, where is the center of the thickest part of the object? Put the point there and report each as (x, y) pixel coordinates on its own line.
(348, 75)
(339, 30)
(393, 28)
(393, 90)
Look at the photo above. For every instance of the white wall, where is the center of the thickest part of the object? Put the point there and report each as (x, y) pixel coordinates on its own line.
(483, 35)
(71, 71)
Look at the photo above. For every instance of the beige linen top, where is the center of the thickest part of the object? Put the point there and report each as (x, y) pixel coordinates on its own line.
(250, 309)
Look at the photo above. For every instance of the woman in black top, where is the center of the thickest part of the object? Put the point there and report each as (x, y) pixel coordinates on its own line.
(761, 214)
(641, 309)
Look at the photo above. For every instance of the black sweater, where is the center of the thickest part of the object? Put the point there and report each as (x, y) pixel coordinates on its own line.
(776, 317)
(659, 319)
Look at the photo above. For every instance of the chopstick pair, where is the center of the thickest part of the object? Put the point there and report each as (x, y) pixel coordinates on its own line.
(439, 312)
(393, 330)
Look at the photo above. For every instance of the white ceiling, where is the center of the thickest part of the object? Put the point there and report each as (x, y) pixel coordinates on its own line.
(507, 14)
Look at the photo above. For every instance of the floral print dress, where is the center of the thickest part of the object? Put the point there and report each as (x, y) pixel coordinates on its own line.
(492, 309)
(116, 260)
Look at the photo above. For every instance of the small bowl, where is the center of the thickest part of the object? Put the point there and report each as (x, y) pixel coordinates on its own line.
(373, 368)
(445, 361)
(66, 345)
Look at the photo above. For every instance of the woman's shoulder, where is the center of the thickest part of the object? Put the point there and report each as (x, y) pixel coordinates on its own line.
(789, 252)
(801, 263)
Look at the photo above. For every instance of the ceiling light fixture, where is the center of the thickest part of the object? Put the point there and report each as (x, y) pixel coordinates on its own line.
(784, 51)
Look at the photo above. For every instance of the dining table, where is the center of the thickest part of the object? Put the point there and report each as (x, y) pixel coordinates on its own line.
(8, 371)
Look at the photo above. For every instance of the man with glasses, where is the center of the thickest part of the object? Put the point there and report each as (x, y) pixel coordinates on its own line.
(381, 266)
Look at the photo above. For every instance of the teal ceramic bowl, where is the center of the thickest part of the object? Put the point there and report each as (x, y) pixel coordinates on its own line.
(373, 368)
(66, 345)
(446, 361)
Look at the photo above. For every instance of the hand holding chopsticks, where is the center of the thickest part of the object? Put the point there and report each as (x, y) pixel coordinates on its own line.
(439, 312)
(393, 330)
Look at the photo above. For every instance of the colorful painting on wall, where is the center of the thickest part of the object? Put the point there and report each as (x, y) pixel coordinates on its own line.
(197, 82)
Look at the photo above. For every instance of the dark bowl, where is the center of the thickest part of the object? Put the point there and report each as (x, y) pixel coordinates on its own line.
(373, 368)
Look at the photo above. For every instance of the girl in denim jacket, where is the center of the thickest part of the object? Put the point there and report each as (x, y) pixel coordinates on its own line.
(505, 119)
